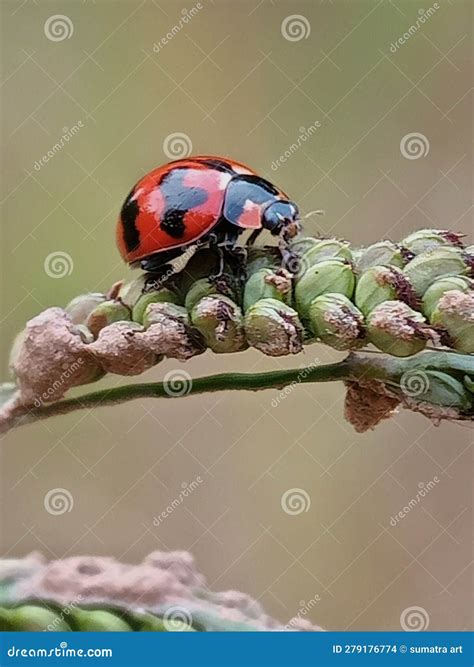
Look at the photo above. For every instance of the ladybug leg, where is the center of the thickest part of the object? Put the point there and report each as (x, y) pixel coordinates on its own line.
(253, 236)
(220, 253)
(237, 258)
(289, 259)
(215, 243)
(224, 241)
(236, 255)
(158, 266)
(154, 263)
(222, 279)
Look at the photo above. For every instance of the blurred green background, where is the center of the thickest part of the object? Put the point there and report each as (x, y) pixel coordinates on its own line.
(234, 84)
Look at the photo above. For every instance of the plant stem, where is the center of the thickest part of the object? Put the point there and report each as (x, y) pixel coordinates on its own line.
(19, 415)
(356, 366)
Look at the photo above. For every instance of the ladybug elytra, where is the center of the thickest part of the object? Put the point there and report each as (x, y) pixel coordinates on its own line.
(199, 200)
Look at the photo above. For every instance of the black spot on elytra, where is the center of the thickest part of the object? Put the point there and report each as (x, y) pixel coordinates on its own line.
(173, 223)
(179, 199)
(128, 216)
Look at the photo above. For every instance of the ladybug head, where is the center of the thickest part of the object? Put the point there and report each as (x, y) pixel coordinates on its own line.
(280, 215)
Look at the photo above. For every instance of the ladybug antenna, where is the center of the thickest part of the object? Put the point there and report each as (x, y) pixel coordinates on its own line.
(311, 213)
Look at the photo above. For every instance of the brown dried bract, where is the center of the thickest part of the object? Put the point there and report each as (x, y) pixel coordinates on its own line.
(367, 404)
(161, 581)
(281, 280)
(121, 348)
(51, 358)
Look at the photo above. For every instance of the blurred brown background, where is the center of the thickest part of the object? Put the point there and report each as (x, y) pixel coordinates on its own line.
(243, 79)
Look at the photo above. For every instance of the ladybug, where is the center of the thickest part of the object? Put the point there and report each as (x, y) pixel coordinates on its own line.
(196, 201)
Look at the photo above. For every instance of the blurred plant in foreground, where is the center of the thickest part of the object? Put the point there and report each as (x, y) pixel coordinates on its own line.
(164, 593)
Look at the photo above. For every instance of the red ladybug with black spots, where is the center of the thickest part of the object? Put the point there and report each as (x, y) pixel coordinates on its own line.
(196, 201)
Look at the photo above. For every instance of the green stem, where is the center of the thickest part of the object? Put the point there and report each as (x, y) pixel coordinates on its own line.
(356, 366)
(20, 415)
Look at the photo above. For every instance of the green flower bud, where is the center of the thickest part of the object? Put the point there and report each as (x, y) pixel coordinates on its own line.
(201, 288)
(267, 284)
(322, 250)
(301, 244)
(434, 293)
(106, 313)
(157, 313)
(330, 275)
(397, 329)
(97, 620)
(382, 283)
(204, 263)
(273, 328)
(149, 623)
(356, 255)
(7, 622)
(220, 322)
(130, 292)
(437, 388)
(262, 257)
(429, 239)
(36, 618)
(383, 253)
(454, 315)
(178, 626)
(81, 306)
(169, 332)
(424, 269)
(337, 322)
(161, 296)
(469, 383)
